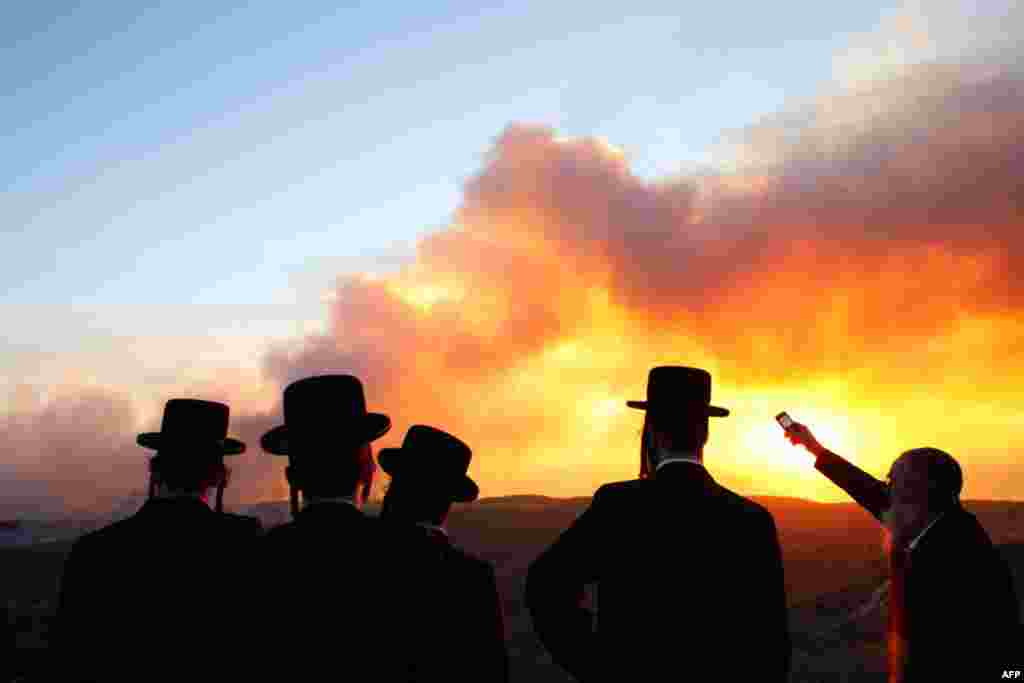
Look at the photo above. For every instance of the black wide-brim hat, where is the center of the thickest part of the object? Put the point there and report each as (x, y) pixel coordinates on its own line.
(325, 410)
(433, 458)
(192, 426)
(678, 389)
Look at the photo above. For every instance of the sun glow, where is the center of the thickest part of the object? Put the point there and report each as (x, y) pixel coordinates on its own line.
(751, 448)
(606, 408)
(766, 437)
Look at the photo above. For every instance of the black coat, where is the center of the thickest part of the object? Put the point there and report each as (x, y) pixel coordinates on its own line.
(8, 644)
(342, 598)
(466, 642)
(689, 578)
(150, 597)
(961, 607)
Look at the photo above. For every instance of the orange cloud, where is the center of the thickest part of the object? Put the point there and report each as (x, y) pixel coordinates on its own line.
(859, 265)
(883, 262)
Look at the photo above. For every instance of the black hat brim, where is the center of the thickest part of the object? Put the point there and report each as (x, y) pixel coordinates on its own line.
(466, 491)
(461, 490)
(373, 426)
(712, 411)
(387, 458)
(157, 441)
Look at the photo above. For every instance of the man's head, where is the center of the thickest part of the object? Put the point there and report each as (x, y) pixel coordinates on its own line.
(413, 502)
(190, 449)
(678, 406)
(326, 437)
(926, 476)
(923, 483)
(678, 433)
(188, 473)
(428, 473)
(345, 471)
(675, 430)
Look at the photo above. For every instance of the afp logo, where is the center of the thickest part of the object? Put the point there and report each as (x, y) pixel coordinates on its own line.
(1012, 675)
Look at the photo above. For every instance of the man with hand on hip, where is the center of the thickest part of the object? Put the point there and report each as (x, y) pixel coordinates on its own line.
(689, 574)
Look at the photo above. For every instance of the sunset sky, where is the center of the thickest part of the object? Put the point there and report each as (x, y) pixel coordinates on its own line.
(500, 217)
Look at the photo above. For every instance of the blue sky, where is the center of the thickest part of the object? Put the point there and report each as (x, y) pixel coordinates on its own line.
(223, 160)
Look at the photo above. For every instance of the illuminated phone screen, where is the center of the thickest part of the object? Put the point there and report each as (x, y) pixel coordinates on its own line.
(785, 420)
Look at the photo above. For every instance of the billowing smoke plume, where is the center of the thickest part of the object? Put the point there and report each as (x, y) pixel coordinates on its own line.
(68, 454)
(868, 243)
(874, 240)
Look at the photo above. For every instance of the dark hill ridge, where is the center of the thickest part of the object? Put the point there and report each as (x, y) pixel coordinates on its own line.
(832, 554)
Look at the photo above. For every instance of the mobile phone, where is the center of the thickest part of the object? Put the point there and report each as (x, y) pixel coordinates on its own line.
(785, 420)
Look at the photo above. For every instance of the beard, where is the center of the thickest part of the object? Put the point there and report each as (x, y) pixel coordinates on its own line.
(902, 522)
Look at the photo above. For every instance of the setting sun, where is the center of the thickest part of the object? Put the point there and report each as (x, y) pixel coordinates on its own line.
(767, 436)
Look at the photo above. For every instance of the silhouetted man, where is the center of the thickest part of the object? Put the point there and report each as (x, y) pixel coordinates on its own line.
(146, 598)
(341, 594)
(953, 610)
(689, 574)
(429, 474)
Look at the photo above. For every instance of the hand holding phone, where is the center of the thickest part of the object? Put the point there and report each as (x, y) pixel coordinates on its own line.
(798, 434)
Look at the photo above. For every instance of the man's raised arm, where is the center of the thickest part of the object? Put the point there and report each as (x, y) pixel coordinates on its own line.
(870, 493)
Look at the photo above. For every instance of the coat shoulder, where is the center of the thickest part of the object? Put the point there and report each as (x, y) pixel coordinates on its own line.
(243, 524)
(103, 536)
(620, 489)
(471, 561)
(960, 536)
(970, 525)
(746, 507)
(280, 533)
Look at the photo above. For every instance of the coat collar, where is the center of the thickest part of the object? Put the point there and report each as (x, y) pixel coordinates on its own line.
(435, 533)
(917, 539)
(329, 511)
(433, 528)
(941, 526)
(183, 505)
(684, 472)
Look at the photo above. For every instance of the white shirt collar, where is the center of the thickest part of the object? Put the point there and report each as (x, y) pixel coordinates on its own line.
(667, 456)
(910, 546)
(313, 500)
